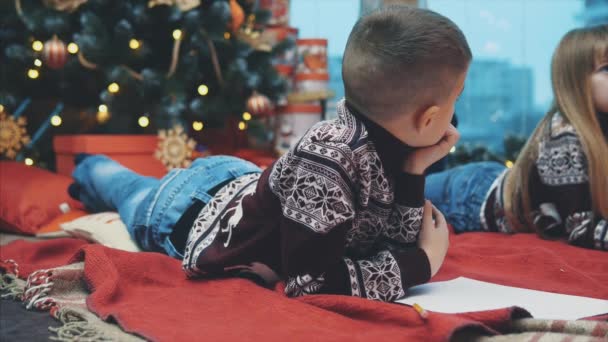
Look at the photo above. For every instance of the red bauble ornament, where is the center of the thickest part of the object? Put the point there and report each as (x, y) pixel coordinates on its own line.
(55, 53)
(259, 104)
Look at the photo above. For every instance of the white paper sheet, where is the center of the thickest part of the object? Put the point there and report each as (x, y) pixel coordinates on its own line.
(466, 295)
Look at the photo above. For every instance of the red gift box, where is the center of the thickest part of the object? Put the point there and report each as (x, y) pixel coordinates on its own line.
(133, 151)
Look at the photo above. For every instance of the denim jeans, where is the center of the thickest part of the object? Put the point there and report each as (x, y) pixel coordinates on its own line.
(459, 192)
(150, 207)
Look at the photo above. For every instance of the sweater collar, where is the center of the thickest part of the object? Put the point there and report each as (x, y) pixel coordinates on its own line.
(391, 150)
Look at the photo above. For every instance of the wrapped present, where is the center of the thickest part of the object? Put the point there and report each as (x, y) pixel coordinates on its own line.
(312, 56)
(294, 121)
(133, 151)
(279, 10)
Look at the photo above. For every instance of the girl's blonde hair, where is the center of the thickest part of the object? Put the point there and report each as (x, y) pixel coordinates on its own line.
(573, 63)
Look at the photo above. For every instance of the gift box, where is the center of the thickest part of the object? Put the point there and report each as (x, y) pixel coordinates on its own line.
(279, 10)
(312, 56)
(133, 151)
(294, 121)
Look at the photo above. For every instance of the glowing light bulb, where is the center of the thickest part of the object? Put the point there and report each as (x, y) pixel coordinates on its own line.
(103, 108)
(453, 149)
(29, 161)
(242, 126)
(143, 121)
(247, 116)
(134, 44)
(37, 45)
(37, 62)
(177, 34)
(197, 126)
(33, 74)
(113, 87)
(73, 48)
(203, 90)
(103, 117)
(509, 164)
(56, 120)
(226, 35)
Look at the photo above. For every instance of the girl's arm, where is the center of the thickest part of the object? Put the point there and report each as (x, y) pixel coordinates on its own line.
(560, 194)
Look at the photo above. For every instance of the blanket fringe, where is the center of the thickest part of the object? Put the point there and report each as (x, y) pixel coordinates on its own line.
(77, 331)
(39, 285)
(82, 325)
(61, 291)
(11, 287)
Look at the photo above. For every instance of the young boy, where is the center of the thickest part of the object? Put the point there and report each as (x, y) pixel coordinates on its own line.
(343, 212)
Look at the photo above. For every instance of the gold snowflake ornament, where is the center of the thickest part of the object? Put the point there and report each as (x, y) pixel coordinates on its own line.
(13, 135)
(175, 148)
(64, 5)
(183, 5)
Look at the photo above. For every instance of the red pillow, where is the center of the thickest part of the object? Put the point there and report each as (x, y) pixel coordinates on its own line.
(30, 197)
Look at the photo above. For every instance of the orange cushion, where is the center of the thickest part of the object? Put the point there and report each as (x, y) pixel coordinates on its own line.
(55, 224)
(30, 197)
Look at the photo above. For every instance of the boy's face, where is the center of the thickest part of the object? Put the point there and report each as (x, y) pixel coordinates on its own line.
(426, 126)
(432, 133)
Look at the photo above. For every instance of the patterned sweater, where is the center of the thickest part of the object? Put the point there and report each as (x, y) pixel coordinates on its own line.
(559, 189)
(335, 215)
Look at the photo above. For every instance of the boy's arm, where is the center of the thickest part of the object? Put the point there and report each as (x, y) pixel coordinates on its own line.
(316, 188)
(315, 264)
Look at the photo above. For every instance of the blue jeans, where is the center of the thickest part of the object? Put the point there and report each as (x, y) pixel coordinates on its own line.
(459, 192)
(150, 207)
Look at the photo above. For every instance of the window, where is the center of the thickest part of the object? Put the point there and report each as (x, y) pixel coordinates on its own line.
(508, 88)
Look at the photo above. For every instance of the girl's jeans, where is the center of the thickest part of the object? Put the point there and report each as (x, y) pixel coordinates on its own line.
(459, 192)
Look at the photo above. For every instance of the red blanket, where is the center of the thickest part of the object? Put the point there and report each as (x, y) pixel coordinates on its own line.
(147, 293)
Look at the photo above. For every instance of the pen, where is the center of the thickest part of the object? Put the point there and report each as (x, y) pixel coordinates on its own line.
(423, 313)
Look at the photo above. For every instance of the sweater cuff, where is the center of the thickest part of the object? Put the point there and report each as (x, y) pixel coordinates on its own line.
(337, 280)
(409, 190)
(415, 267)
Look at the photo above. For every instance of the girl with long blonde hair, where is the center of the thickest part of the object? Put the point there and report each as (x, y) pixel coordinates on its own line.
(558, 187)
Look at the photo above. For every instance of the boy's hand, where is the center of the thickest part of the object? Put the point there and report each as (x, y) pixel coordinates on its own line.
(434, 237)
(424, 157)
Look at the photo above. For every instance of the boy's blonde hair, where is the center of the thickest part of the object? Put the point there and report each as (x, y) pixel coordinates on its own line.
(573, 63)
(400, 58)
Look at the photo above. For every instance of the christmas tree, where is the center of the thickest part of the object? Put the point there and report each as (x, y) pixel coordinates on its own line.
(136, 66)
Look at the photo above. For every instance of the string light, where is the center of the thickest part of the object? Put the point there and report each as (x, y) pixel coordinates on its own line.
(177, 34)
(242, 126)
(37, 62)
(246, 116)
(37, 45)
(453, 149)
(103, 117)
(29, 161)
(203, 90)
(143, 121)
(509, 164)
(56, 120)
(134, 44)
(33, 74)
(72, 48)
(113, 88)
(197, 126)
(103, 108)
(1, 108)
(226, 35)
